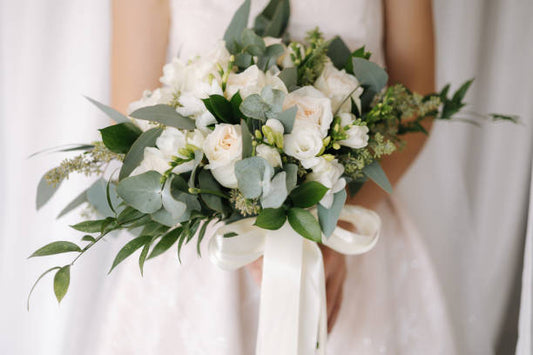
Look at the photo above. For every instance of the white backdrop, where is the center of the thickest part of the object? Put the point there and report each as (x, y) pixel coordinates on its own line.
(468, 192)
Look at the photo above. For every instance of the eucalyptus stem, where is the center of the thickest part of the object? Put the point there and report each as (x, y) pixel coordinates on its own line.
(195, 191)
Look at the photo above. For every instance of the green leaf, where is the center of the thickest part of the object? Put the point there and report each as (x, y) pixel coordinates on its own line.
(252, 43)
(174, 207)
(129, 249)
(128, 215)
(372, 78)
(88, 238)
(271, 218)
(56, 248)
(289, 76)
(136, 152)
(221, 108)
(90, 226)
(237, 25)
(165, 243)
(375, 173)
(273, 20)
(255, 107)
(45, 191)
(61, 282)
(142, 257)
(243, 61)
(236, 101)
(109, 111)
(270, 57)
(356, 185)
(247, 139)
(328, 217)
(142, 192)
(308, 194)
(274, 98)
(64, 148)
(36, 282)
(207, 182)
(97, 197)
(361, 53)
(275, 192)
(119, 138)
(339, 53)
(201, 235)
(252, 174)
(164, 114)
(292, 176)
(305, 224)
(287, 118)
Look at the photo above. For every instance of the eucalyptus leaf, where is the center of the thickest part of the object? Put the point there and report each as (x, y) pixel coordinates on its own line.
(275, 193)
(142, 192)
(304, 223)
(252, 174)
(61, 282)
(292, 176)
(375, 173)
(128, 215)
(328, 217)
(274, 98)
(270, 56)
(289, 76)
(372, 78)
(255, 107)
(237, 25)
(118, 138)
(109, 111)
(56, 248)
(339, 53)
(174, 207)
(45, 191)
(136, 152)
(97, 197)
(252, 43)
(247, 139)
(308, 194)
(273, 20)
(129, 249)
(287, 118)
(164, 114)
(271, 218)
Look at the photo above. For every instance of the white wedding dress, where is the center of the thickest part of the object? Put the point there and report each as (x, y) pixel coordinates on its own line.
(392, 301)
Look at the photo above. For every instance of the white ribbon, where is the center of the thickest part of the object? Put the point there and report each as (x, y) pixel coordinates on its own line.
(292, 313)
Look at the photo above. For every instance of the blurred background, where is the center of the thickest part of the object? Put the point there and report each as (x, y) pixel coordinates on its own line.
(469, 192)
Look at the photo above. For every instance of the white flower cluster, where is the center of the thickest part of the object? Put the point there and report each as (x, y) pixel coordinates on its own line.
(186, 84)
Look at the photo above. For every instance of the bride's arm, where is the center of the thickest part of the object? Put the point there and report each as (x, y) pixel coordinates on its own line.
(409, 49)
(139, 42)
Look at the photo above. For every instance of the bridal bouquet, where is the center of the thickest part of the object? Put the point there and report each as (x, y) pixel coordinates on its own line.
(262, 130)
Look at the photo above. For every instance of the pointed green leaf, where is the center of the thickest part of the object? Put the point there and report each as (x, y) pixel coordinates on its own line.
(142, 192)
(270, 57)
(273, 20)
(36, 282)
(237, 25)
(164, 114)
(61, 282)
(289, 76)
(247, 139)
(252, 43)
(305, 224)
(165, 243)
(118, 138)
(339, 53)
(56, 248)
(328, 217)
(375, 173)
(271, 218)
(207, 182)
(90, 226)
(129, 249)
(109, 111)
(372, 78)
(142, 257)
(308, 194)
(136, 152)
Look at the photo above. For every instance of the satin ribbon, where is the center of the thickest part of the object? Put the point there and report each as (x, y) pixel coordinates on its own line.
(292, 313)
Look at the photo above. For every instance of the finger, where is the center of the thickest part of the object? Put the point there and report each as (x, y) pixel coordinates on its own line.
(332, 319)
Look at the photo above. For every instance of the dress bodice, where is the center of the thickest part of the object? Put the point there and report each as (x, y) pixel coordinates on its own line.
(198, 24)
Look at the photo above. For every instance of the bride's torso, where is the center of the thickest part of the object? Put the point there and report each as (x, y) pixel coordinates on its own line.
(198, 24)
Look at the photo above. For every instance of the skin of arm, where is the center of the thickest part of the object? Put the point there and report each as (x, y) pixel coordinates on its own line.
(140, 39)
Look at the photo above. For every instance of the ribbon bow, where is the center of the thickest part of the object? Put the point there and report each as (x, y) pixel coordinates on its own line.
(292, 313)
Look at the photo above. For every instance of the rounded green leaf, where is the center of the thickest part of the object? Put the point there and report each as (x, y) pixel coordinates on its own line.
(143, 192)
(305, 224)
(61, 282)
(136, 152)
(271, 218)
(56, 248)
(118, 138)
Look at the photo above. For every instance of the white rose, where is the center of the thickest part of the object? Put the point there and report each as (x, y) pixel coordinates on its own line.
(275, 125)
(191, 103)
(223, 147)
(357, 136)
(251, 81)
(313, 107)
(270, 154)
(170, 141)
(328, 173)
(153, 159)
(337, 85)
(303, 143)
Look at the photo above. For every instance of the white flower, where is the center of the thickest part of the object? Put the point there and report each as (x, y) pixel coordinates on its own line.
(270, 154)
(357, 135)
(191, 103)
(313, 107)
(153, 159)
(328, 173)
(251, 81)
(223, 147)
(275, 125)
(149, 98)
(337, 85)
(303, 143)
(204, 120)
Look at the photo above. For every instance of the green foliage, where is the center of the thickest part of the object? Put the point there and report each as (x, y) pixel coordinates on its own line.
(213, 191)
(270, 56)
(247, 138)
(136, 152)
(56, 248)
(308, 194)
(165, 115)
(97, 196)
(252, 174)
(142, 192)
(311, 66)
(289, 76)
(305, 224)
(61, 282)
(262, 107)
(252, 43)
(109, 111)
(36, 282)
(287, 118)
(450, 106)
(118, 138)
(328, 217)
(223, 110)
(375, 173)
(237, 25)
(371, 77)
(165, 243)
(275, 193)
(339, 53)
(130, 248)
(273, 20)
(95, 226)
(271, 218)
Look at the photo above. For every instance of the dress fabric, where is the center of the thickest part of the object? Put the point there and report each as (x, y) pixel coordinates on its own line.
(392, 301)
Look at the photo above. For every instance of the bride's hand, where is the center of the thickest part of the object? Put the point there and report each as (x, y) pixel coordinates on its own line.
(335, 273)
